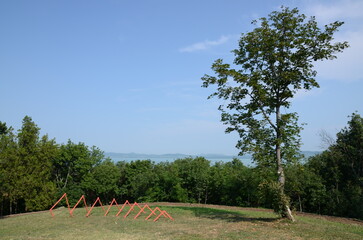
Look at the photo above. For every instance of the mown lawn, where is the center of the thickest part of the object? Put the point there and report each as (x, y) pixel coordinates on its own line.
(190, 223)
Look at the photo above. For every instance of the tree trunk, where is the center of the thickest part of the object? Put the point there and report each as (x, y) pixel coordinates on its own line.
(68, 174)
(206, 196)
(289, 214)
(280, 168)
(2, 206)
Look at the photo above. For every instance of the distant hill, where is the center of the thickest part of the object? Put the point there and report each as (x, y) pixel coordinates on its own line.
(172, 157)
(246, 159)
(308, 154)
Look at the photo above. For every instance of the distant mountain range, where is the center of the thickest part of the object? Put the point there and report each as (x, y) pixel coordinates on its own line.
(308, 154)
(246, 159)
(170, 155)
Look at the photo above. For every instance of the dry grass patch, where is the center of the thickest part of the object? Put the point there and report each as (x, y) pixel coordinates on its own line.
(190, 223)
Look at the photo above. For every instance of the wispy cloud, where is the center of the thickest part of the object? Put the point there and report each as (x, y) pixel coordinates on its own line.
(337, 10)
(200, 46)
(347, 67)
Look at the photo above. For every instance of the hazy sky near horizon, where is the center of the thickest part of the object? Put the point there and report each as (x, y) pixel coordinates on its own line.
(125, 75)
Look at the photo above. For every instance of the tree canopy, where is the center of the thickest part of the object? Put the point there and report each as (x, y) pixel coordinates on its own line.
(35, 177)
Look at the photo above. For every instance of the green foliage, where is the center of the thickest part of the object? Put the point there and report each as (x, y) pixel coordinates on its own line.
(275, 60)
(25, 167)
(102, 181)
(349, 145)
(341, 170)
(74, 162)
(168, 185)
(3, 128)
(140, 178)
(72, 169)
(271, 193)
(35, 158)
(194, 176)
(233, 183)
(305, 188)
(9, 168)
(36, 172)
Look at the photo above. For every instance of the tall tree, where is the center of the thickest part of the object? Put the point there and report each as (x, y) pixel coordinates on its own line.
(341, 168)
(35, 156)
(73, 163)
(102, 181)
(194, 175)
(3, 128)
(9, 174)
(275, 61)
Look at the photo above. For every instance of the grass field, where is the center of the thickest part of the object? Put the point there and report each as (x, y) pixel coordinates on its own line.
(190, 223)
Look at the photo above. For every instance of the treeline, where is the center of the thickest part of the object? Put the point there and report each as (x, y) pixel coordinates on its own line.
(35, 171)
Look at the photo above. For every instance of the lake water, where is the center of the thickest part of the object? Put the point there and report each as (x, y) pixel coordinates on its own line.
(213, 158)
(158, 159)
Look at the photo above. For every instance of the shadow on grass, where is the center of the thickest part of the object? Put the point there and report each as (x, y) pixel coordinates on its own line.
(225, 215)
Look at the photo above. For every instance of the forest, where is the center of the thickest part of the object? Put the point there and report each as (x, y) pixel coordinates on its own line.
(35, 171)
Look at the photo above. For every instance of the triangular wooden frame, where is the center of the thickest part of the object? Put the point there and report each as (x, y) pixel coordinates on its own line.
(162, 213)
(113, 202)
(97, 200)
(132, 208)
(109, 207)
(165, 214)
(63, 196)
(84, 202)
(126, 203)
(142, 210)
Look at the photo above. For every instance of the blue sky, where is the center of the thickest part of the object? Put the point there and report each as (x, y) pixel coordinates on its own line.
(125, 75)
